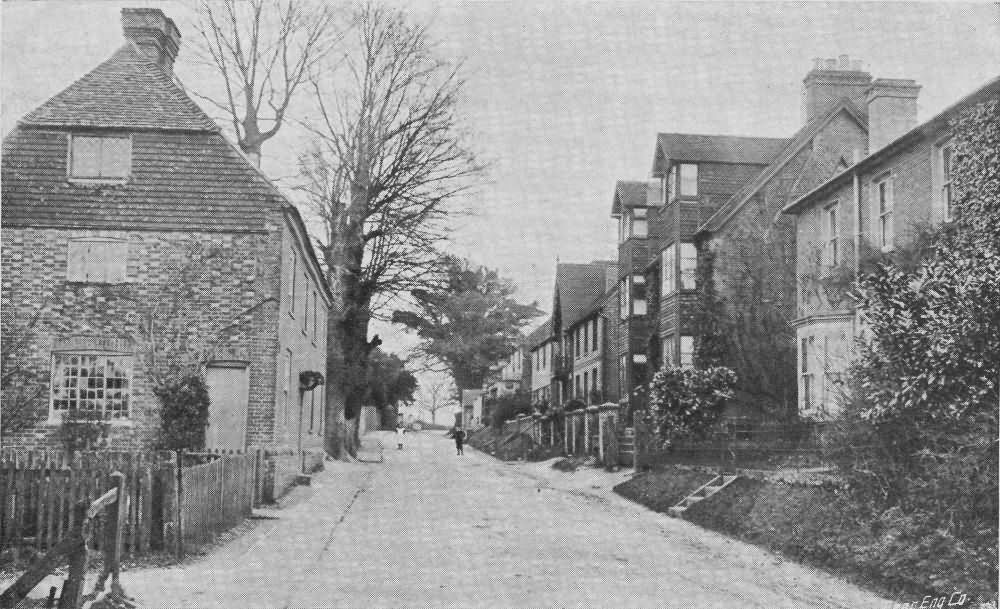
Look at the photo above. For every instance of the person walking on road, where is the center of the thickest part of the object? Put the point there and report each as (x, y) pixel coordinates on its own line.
(459, 439)
(400, 430)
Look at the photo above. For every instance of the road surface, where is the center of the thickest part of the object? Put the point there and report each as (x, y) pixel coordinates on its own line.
(427, 528)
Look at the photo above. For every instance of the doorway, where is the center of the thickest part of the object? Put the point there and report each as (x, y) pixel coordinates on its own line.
(229, 393)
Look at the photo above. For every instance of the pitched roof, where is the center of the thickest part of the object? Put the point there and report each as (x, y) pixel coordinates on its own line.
(795, 144)
(924, 129)
(539, 335)
(578, 285)
(128, 91)
(642, 193)
(715, 148)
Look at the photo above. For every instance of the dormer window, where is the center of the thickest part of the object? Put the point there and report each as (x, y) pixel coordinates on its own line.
(99, 157)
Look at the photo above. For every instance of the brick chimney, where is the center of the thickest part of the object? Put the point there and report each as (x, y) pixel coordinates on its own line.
(892, 110)
(154, 33)
(829, 81)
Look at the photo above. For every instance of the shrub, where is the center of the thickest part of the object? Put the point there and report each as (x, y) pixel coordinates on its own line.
(82, 430)
(507, 407)
(685, 402)
(183, 413)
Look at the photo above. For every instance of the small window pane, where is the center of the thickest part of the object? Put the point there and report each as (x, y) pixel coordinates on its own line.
(689, 180)
(114, 157)
(86, 157)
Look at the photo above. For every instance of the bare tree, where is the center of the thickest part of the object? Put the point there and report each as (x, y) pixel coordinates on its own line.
(263, 50)
(387, 159)
(436, 396)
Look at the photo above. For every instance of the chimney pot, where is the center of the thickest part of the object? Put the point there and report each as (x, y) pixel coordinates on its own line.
(831, 64)
(154, 33)
(817, 63)
(845, 62)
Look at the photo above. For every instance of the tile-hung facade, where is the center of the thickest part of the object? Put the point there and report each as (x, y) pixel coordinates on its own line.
(578, 287)
(589, 345)
(136, 236)
(870, 207)
(697, 174)
(729, 205)
(633, 206)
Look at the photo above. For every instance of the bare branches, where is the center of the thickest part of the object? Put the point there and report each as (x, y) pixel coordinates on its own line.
(263, 50)
(388, 156)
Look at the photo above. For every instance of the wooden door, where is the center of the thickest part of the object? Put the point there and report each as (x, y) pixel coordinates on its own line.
(229, 392)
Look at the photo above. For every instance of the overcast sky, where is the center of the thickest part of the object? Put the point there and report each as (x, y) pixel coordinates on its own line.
(565, 97)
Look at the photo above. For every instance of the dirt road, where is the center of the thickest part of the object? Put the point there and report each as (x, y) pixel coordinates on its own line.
(430, 529)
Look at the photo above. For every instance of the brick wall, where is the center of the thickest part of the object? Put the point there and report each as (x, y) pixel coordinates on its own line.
(210, 295)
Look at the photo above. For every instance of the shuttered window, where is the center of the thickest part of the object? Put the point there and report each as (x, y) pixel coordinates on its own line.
(97, 260)
(99, 158)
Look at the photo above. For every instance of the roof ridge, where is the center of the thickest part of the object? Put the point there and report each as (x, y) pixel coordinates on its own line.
(796, 143)
(158, 101)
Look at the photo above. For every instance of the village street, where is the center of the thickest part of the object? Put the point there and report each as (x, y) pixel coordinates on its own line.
(429, 529)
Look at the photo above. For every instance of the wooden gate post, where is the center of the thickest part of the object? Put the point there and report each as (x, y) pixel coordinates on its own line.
(72, 592)
(179, 497)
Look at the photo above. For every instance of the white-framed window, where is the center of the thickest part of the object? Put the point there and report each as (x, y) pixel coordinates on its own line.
(640, 226)
(91, 381)
(586, 337)
(315, 316)
(671, 184)
(687, 351)
(689, 180)
(294, 263)
(287, 385)
(806, 372)
(638, 295)
(623, 299)
(305, 312)
(945, 169)
(831, 234)
(689, 266)
(101, 157)
(638, 358)
(669, 270)
(623, 373)
(97, 260)
(883, 202)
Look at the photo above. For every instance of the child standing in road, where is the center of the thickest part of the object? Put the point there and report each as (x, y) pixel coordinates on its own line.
(400, 430)
(459, 439)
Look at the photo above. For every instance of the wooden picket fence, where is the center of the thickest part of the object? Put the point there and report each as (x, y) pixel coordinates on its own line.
(173, 499)
(217, 495)
(38, 491)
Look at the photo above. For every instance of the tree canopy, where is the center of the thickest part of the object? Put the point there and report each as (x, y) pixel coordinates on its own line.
(469, 322)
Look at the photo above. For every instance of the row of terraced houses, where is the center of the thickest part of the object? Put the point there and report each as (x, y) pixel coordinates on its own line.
(739, 250)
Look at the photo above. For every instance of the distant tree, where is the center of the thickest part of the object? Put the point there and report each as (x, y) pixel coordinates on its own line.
(469, 322)
(388, 159)
(263, 50)
(437, 395)
(389, 384)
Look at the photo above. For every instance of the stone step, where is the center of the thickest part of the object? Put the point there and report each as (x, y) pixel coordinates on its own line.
(689, 501)
(676, 511)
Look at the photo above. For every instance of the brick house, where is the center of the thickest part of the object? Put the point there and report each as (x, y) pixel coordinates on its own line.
(870, 208)
(726, 225)
(540, 344)
(136, 239)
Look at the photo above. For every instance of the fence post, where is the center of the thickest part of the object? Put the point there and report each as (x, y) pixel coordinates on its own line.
(179, 501)
(72, 592)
